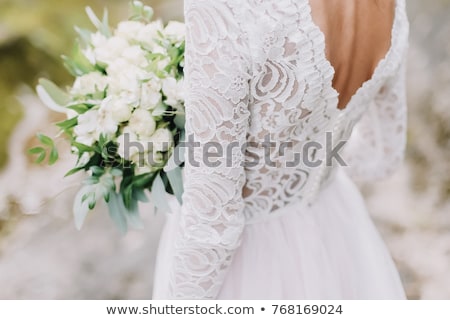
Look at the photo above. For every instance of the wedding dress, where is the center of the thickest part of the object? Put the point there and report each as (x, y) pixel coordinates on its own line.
(258, 69)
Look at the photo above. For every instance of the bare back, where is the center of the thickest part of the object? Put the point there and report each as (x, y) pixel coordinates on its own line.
(357, 35)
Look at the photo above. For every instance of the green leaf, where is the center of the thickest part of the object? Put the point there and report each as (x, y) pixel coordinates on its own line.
(79, 108)
(176, 182)
(81, 207)
(41, 158)
(93, 17)
(117, 212)
(97, 171)
(159, 196)
(36, 150)
(53, 156)
(57, 94)
(68, 124)
(82, 147)
(105, 24)
(45, 139)
(73, 171)
(180, 120)
(84, 34)
(139, 195)
(91, 180)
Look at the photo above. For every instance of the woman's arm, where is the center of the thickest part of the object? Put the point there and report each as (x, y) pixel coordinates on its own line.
(211, 220)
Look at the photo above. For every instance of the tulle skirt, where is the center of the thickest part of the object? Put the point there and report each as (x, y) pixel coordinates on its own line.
(330, 250)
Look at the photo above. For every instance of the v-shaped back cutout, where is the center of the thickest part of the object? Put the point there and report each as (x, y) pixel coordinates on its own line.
(343, 104)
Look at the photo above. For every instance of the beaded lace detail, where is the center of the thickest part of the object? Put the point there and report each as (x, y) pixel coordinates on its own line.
(256, 71)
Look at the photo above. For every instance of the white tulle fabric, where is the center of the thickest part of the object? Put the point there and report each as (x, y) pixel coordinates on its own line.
(257, 70)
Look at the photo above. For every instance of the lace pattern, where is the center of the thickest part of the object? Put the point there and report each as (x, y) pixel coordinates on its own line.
(257, 70)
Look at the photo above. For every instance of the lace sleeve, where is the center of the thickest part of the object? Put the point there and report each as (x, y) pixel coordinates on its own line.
(377, 145)
(211, 220)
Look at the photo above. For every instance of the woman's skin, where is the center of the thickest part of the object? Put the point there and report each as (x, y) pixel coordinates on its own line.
(357, 35)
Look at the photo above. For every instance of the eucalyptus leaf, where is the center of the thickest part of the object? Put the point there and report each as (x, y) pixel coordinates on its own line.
(93, 17)
(180, 120)
(80, 207)
(117, 212)
(176, 181)
(159, 196)
(47, 99)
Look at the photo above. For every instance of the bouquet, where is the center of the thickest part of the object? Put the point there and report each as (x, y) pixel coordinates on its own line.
(125, 114)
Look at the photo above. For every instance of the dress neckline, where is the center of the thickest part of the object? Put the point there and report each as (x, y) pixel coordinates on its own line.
(380, 65)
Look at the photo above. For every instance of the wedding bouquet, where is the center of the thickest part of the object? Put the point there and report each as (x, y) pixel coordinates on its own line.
(125, 114)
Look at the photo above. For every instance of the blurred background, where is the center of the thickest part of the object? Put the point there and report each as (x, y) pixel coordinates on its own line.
(42, 256)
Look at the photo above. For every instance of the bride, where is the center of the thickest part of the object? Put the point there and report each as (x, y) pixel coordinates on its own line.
(270, 210)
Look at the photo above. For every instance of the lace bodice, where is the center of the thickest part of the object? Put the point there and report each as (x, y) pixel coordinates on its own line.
(257, 76)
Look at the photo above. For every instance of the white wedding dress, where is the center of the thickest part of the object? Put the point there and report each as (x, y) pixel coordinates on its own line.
(257, 68)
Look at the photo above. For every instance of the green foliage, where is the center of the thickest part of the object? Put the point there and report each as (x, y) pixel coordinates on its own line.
(49, 147)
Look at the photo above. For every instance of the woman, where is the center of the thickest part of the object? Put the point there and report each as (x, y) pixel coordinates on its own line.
(269, 210)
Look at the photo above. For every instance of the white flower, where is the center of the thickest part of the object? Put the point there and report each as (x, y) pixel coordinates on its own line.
(119, 108)
(150, 94)
(161, 140)
(98, 39)
(87, 140)
(89, 84)
(174, 91)
(142, 123)
(87, 123)
(85, 130)
(176, 31)
(129, 29)
(124, 80)
(149, 33)
(129, 145)
(110, 50)
(135, 55)
(106, 123)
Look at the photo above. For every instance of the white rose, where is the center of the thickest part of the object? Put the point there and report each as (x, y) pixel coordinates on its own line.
(128, 145)
(89, 84)
(119, 108)
(135, 55)
(124, 80)
(142, 123)
(176, 31)
(173, 90)
(151, 94)
(129, 29)
(111, 49)
(161, 140)
(149, 33)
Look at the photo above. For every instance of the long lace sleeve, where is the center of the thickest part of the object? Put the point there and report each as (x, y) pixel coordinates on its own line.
(377, 144)
(211, 220)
